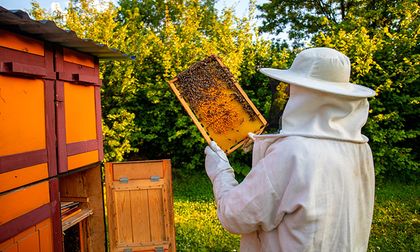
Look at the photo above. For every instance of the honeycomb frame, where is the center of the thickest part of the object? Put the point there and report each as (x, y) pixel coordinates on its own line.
(216, 103)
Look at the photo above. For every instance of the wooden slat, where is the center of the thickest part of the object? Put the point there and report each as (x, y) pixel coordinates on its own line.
(45, 235)
(96, 239)
(110, 207)
(73, 220)
(123, 216)
(21, 43)
(28, 242)
(73, 198)
(140, 216)
(170, 224)
(137, 170)
(13, 205)
(157, 223)
(137, 184)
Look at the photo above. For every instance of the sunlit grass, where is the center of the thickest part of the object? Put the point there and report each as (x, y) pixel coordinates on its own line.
(395, 227)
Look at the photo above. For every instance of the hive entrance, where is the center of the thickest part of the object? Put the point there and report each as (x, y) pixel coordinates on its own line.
(217, 104)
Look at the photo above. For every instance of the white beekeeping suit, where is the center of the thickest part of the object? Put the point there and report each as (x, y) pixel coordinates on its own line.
(311, 187)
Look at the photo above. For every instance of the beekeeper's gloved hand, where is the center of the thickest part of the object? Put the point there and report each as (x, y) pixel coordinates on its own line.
(216, 161)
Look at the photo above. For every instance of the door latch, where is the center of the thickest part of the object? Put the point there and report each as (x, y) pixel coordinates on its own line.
(123, 180)
(154, 178)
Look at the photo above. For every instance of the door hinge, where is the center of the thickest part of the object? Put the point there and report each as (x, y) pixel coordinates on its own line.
(159, 249)
(127, 250)
(154, 178)
(123, 180)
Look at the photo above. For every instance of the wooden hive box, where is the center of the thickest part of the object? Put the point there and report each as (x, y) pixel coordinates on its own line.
(27, 115)
(29, 218)
(79, 129)
(50, 135)
(218, 106)
(140, 206)
(51, 150)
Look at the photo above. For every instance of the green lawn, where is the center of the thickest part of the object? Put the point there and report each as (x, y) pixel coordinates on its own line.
(395, 223)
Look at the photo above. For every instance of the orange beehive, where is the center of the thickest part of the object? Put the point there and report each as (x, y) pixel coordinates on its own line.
(78, 107)
(51, 192)
(27, 149)
(50, 135)
(217, 104)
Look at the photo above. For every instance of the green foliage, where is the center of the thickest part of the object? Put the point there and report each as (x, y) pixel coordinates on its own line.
(301, 19)
(196, 224)
(395, 222)
(382, 40)
(385, 56)
(143, 119)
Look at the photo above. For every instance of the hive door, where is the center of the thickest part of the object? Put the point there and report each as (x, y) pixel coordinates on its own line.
(139, 206)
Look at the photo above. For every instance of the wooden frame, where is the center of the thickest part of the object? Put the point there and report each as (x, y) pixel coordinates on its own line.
(86, 187)
(205, 130)
(67, 150)
(143, 179)
(17, 225)
(10, 164)
(76, 67)
(24, 56)
(42, 165)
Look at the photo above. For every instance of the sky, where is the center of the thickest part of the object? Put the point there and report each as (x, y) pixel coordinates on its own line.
(240, 6)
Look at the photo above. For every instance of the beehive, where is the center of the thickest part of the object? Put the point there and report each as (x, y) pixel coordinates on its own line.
(50, 135)
(217, 104)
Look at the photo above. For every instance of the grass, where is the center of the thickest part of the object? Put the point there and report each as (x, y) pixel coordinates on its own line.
(196, 223)
(395, 224)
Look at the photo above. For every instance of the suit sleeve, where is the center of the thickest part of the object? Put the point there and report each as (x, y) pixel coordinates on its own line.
(255, 203)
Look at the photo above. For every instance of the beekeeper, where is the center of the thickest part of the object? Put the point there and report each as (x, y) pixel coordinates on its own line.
(311, 187)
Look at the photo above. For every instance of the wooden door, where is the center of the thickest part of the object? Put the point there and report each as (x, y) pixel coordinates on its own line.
(140, 206)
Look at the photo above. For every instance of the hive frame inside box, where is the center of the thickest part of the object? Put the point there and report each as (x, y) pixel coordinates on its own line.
(203, 130)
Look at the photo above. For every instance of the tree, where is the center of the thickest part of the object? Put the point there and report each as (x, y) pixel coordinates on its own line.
(381, 39)
(301, 19)
(142, 117)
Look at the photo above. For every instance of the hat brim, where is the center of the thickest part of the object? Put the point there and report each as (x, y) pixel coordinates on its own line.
(290, 77)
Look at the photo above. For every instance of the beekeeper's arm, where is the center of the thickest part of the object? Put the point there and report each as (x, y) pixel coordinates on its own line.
(249, 206)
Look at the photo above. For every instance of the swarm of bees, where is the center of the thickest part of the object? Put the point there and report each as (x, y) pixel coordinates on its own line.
(217, 104)
(209, 89)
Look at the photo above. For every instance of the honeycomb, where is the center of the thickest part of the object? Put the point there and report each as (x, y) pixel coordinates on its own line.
(218, 103)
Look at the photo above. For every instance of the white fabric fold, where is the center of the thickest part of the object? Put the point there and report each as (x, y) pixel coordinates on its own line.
(311, 187)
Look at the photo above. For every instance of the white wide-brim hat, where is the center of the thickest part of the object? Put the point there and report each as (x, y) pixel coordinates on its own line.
(323, 69)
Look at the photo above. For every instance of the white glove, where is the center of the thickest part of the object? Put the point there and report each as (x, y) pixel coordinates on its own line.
(216, 161)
